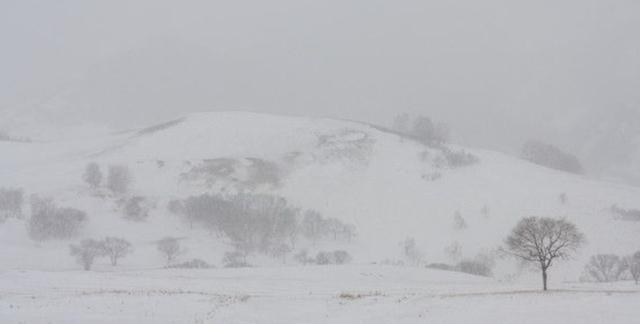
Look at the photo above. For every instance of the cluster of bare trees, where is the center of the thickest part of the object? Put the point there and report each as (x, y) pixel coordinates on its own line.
(610, 267)
(48, 221)
(89, 249)
(135, 208)
(421, 128)
(550, 156)
(259, 223)
(337, 257)
(118, 178)
(11, 201)
(315, 227)
(625, 214)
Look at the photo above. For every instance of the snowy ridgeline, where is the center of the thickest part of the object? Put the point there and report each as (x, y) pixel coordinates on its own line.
(241, 189)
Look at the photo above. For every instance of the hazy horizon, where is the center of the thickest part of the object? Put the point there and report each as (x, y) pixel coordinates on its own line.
(499, 73)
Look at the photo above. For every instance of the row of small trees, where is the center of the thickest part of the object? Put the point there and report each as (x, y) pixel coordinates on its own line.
(89, 249)
(421, 128)
(610, 267)
(550, 156)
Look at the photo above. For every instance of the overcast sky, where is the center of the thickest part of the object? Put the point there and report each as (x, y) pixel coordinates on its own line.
(499, 71)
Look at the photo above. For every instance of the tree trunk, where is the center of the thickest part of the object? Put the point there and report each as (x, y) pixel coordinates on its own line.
(544, 279)
(114, 261)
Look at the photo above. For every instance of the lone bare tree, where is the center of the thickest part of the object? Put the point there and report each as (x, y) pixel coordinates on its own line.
(116, 248)
(86, 252)
(543, 240)
(170, 247)
(119, 179)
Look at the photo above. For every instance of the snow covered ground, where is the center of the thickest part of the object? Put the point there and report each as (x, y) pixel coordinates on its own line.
(318, 294)
(390, 187)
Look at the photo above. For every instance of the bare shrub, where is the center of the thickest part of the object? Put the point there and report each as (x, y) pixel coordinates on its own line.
(312, 225)
(485, 211)
(176, 207)
(459, 223)
(474, 267)
(441, 266)
(323, 258)
(429, 132)
(304, 258)
(401, 123)
(563, 198)
(193, 264)
(235, 259)
(454, 251)
(625, 214)
(281, 251)
(341, 257)
(458, 159)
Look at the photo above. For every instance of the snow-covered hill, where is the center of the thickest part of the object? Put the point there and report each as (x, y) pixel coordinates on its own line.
(390, 187)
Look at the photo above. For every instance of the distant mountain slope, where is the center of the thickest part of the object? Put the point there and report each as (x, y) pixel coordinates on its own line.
(388, 186)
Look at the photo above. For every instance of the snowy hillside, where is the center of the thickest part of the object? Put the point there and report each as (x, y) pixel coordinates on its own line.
(388, 186)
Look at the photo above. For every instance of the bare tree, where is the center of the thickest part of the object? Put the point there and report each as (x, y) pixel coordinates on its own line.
(170, 247)
(633, 262)
(543, 240)
(136, 208)
(401, 123)
(454, 251)
(11, 201)
(87, 251)
(119, 179)
(116, 248)
(281, 251)
(459, 223)
(312, 225)
(303, 257)
(429, 132)
(410, 251)
(92, 175)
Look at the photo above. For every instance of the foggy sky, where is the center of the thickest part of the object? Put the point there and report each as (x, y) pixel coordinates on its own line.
(498, 71)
